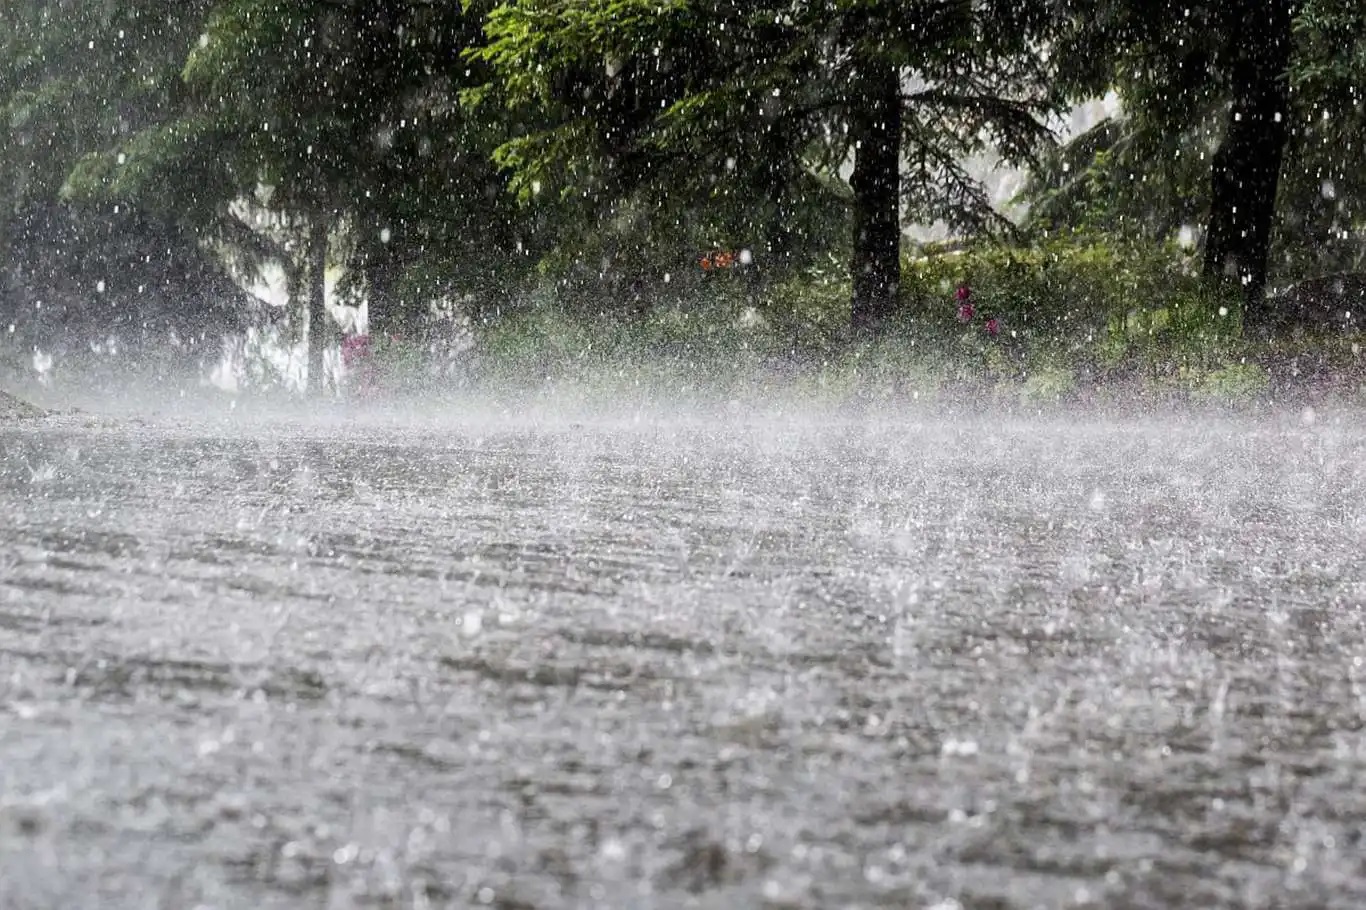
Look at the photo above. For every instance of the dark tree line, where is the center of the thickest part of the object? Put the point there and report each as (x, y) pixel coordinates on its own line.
(429, 148)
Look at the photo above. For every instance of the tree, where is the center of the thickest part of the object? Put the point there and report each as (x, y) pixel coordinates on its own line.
(722, 98)
(77, 76)
(1322, 217)
(1245, 173)
(317, 131)
(1238, 116)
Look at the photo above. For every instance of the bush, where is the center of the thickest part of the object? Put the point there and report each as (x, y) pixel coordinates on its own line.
(1091, 298)
(1049, 322)
(1048, 384)
(810, 311)
(1236, 383)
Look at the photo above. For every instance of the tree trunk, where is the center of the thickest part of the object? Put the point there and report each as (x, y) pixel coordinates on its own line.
(1247, 166)
(318, 329)
(779, 170)
(382, 305)
(876, 182)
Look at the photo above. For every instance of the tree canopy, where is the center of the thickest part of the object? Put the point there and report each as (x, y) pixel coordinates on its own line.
(767, 109)
(1242, 123)
(470, 150)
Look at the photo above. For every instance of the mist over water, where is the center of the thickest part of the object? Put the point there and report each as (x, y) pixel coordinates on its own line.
(548, 652)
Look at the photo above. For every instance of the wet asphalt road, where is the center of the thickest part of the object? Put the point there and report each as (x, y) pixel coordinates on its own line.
(739, 662)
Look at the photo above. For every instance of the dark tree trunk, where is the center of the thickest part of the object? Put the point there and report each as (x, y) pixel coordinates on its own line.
(876, 265)
(779, 176)
(318, 328)
(1247, 166)
(386, 316)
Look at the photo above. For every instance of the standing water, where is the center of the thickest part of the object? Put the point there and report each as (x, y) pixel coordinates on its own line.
(683, 663)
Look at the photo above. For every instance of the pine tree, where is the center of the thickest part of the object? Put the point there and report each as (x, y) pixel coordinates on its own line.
(78, 77)
(316, 131)
(1240, 117)
(773, 97)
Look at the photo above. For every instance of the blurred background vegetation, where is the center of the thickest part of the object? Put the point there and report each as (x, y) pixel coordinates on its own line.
(1154, 194)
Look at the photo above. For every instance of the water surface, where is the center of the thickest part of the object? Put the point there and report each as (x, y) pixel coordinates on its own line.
(737, 662)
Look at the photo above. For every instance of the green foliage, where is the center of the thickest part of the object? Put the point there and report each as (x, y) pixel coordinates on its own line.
(1048, 383)
(1094, 302)
(558, 166)
(1127, 176)
(1072, 293)
(1322, 217)
(77, 74)
(77, 79)
(1234, 383)
(737, 117)
(810, 307)
(1146, 172)
(284, 114)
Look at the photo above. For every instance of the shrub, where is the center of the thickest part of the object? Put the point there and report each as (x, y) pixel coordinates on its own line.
(1035, 323)
(1099, 302)
(1234, 383)
(1047, 384)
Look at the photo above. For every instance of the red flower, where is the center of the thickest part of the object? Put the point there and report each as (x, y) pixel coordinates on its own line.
(354, 348)
(963, 293)
(993, 327)
(966, 311)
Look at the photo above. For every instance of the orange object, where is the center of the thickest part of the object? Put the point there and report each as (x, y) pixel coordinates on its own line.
(717, 259)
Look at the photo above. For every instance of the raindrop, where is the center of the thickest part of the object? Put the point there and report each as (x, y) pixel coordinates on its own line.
(959, 747)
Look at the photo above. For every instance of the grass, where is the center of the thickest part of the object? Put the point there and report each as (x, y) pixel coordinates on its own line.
(1082, 321)
(662, 357)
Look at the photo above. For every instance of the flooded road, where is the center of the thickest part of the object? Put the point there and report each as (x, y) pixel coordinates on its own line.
(683, 663)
